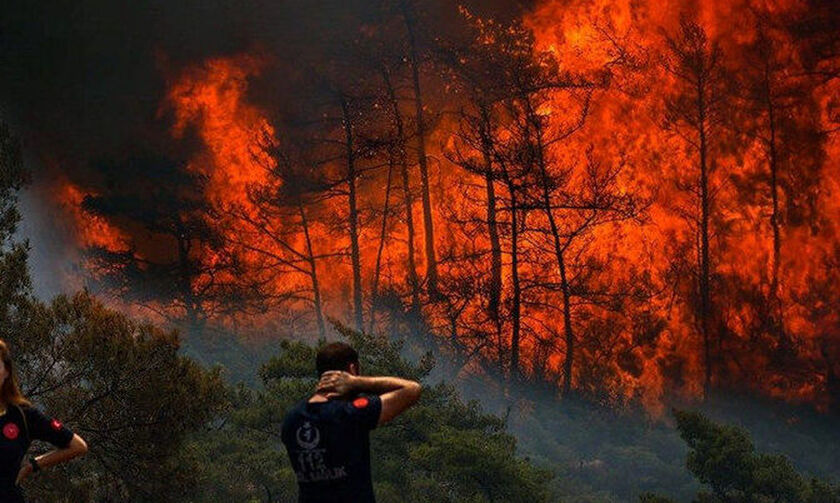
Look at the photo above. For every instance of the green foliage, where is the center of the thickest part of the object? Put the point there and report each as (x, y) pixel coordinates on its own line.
(653, 498)
(124, 388)
(724, 458)
(14, 277)
(121, 385)
(441, 450)
(596, 454)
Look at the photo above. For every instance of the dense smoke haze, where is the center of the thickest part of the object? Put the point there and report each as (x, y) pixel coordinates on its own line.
(630, 201)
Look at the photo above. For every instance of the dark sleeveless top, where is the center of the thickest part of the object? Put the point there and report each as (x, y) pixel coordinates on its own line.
(19, 426)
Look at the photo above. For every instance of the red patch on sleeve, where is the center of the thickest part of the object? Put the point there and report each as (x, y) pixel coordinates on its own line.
(11, 431)
(361, 403)
(56, 424)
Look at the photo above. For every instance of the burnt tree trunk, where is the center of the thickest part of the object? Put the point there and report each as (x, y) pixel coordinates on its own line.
(192, 306)
(313, 274)
(770, 108)
(559, 254)
(516, 300)
(428, 223)
(383, 230)
(402, 160)
(492, 225)
(353, 215)
(705, 280)
(774, 187)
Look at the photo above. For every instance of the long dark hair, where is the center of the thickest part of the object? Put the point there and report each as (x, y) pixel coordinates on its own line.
(10, 392)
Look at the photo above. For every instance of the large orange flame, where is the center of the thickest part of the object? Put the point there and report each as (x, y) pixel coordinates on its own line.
(626, 41)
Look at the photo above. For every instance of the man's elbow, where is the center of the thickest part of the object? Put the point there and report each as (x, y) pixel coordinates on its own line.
(80, 447)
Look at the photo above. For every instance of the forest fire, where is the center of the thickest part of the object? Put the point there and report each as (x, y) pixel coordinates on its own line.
(91, 231)
(629, 200)
(210, 97)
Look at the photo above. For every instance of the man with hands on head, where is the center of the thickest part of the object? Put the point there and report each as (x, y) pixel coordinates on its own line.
(326, 435)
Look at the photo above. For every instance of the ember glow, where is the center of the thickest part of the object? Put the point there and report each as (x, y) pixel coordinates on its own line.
(633, 200)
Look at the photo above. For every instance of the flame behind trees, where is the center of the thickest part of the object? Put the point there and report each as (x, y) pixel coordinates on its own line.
(696, 113)
(507, 136)
(568, 237)
(186, 265)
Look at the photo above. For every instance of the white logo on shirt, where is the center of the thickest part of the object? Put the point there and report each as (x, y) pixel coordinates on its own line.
(308, 436)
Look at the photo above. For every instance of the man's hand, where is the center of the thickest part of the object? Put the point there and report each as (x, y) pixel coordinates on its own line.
(336, 384)
(396, 394)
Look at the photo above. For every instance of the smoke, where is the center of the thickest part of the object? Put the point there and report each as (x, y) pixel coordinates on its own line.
(87, 78)
(85, 81)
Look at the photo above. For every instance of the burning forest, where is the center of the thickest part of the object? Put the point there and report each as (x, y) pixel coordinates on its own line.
(626, 200)
(625, 203)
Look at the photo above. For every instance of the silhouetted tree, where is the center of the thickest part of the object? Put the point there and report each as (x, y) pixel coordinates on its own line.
(408, 11)
(278, 227)
(780, 116)
(183, 270)
(695, 112)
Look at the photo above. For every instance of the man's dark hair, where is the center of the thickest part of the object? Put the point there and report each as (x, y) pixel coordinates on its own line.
(335, 356)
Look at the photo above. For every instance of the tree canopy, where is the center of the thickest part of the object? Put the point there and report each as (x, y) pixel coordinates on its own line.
(441, 450)
(725, 460)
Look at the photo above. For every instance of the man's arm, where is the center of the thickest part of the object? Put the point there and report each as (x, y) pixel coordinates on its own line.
(396, 394)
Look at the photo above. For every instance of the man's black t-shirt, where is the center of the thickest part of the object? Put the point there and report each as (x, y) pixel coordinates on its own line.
(329, 448)
(19, 426)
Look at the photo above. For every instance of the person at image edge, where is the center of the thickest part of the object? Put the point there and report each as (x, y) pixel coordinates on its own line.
(20, 424)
